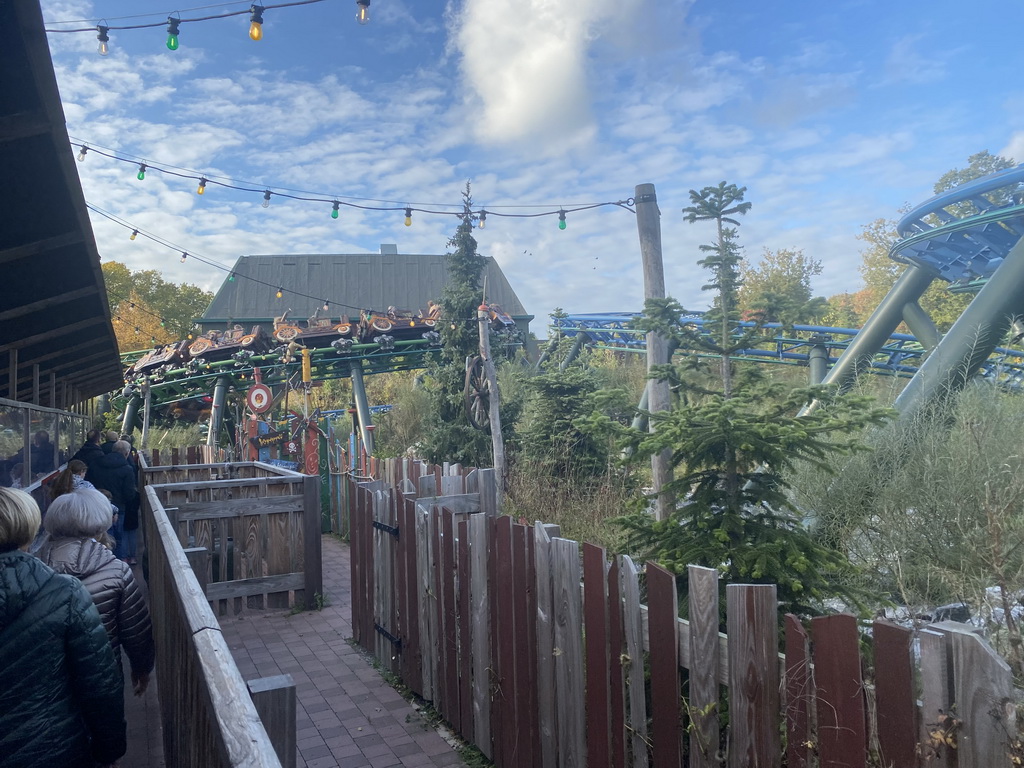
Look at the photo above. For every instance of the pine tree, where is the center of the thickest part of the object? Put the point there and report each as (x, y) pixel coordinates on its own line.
(451, 437)
(732, 447)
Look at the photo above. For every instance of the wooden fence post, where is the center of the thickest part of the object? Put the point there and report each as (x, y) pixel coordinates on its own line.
(274, 698)
(312, 554)
(754, 701)
(199, 559)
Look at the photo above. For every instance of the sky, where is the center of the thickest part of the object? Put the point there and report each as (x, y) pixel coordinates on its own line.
(831, 115)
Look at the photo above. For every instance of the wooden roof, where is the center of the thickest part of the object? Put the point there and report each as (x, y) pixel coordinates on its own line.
(54, 317)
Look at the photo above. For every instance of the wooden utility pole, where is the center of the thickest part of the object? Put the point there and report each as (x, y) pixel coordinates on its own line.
(493, 398)
(648, 224)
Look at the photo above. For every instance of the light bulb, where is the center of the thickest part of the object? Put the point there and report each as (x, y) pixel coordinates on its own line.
(483, 218)
(231, 277)
(266, 199)
(142, 172)
(561, 219)
(183, 257)
(280, 293)
(363, 11)
(104, 48)
(134, 234)
(81, 154)
(256, 25)
(334, 212)
(202, 187)
(408, 217)
(172, 33)
(327, 306)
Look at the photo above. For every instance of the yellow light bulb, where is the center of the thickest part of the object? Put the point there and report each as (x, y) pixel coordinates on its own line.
(202, 187)
(256, 31)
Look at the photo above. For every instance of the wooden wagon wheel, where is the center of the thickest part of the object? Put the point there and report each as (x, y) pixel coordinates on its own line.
(199, 346)
(249, 340)
(286, 333)
(478, 395)
(382, 324)
(344, 329)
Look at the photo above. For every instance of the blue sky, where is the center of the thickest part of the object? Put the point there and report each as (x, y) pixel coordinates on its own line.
(831, 114)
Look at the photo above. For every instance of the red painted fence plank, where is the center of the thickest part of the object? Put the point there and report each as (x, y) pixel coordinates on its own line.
(842, 726)
(894, 694)
(595, 623)
(663, 613)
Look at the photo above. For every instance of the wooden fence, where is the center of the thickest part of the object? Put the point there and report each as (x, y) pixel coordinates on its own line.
(540, 651)
(251, 530)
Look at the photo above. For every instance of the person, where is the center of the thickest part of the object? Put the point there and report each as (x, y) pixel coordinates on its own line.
(73, 479)
(41, 453)
(108, 446)
(76, 522)
(61, 703)
(113, 473)
(90, 450)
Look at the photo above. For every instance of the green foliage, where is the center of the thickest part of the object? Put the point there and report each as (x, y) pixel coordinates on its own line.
(451, 437)
(176, 303)
(730, 449)
(778, 289)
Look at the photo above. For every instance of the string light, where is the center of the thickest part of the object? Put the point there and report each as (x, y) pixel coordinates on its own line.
(134, 234)
(327, 306)
(561, 219)
(172, 33)
(266, 198)
(363, 11)
(201, 189)
(483, 218)
(231, 277)
(142, 172)
(82, 153)
(408, 217)
(280, 293)
(183, 257)
(334, 212)
(256, 23)
(104, 39)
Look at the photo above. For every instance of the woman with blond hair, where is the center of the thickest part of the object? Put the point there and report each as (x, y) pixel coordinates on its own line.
(62, 701)
(77, 522)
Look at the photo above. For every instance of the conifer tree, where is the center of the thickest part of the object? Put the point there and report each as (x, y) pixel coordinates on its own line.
(732, 446)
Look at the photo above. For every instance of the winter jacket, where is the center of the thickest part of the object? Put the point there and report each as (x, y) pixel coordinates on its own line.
(113, 473)
(114, 591)
(89, 453)
(61, 701)
(107, 446)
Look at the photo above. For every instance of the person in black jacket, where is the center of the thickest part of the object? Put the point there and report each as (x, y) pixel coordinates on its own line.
(90, 450)
(113, 473)
(108, 445)
(61, 703)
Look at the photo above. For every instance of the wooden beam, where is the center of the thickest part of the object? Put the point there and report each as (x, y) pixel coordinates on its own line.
(21, 125)
(43, 304)
(46, 335)
(39, 247)
(78, 348)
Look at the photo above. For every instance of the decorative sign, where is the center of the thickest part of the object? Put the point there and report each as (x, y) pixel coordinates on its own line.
(268, 439)
(259, 398)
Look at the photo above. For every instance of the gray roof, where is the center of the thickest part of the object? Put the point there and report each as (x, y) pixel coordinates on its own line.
(349, 281)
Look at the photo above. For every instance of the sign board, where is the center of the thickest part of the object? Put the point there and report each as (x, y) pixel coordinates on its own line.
(258, 398)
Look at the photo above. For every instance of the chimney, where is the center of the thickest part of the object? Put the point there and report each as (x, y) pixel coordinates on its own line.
(388, 249)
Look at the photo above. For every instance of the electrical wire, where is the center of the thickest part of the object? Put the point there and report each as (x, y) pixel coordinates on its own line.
(163, 22)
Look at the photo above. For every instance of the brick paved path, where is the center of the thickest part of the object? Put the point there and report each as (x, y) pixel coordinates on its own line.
(346, 714)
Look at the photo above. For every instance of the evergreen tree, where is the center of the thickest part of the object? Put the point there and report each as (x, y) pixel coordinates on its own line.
(731, 449)
(451, 437)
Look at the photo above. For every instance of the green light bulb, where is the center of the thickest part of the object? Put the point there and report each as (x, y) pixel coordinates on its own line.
(334, 213)
(172, 42)
(142, 172)
(561, 219)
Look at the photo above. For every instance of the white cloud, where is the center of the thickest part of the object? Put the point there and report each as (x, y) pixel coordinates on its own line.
(1014, 148)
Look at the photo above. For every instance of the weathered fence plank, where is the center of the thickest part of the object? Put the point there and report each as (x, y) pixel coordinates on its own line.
(936, 698)
(545, 650)
(480, 632)
(703, 610)
(617, 680)
(595, 627)
(662, 616)
(894, 694)
(842, 727)
(465, 617)
(633, 627)
(503, 705)
(569, 682)
(453, 710)
(799, 745)
(524, 651)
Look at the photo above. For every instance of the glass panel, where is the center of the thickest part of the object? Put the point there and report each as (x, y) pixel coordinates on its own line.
(43, 452)
(12, 447)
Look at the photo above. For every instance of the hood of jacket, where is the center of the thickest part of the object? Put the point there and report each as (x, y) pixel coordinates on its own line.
(22, 577)
(111, 460)
(76, 557)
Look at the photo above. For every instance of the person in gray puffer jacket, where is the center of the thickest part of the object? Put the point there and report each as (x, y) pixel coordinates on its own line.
(75, 521)
(61, 696)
